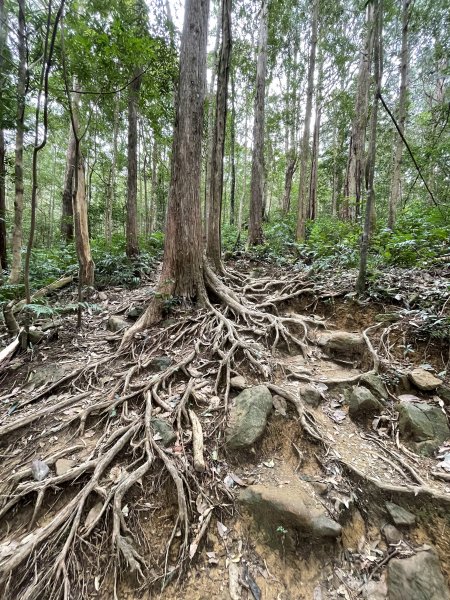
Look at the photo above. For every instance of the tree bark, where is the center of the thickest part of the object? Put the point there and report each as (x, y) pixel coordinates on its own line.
(356, 167)
(305, 150)
(313, 206)
(16, 263)
(132, 245)
(213, 249)
(370, 201)
(154, 187)
(244, 183)
(255, 232)
(394, 199)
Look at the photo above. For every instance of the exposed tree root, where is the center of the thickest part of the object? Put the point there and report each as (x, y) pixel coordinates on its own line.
(235, 331)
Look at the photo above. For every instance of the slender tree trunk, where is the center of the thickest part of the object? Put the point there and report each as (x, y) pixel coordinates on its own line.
(244, 183)
(154, 187)
(356, 167)
(79, 201)
(304, 151)
(112, 187)
(313, 208)
(255, 232)
(3, 240)
(394, 199)
(16, 263)
(370, 202)
(233, 151)
(210, 125)
(132, 246)
(67, 211)
(213, 249)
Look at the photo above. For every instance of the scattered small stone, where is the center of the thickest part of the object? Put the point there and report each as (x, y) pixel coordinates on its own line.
(424, 380)
(424, 425)
(248, 417)
(165, 430)
(102, 296)
(418, 577)
(39, 470)
(160, 363)
(214, 402)
(280, 405)
(342, 342)
(116, 324)
(63, 465)
(310, 394)
(238, 382)
(400, 516)
(362, 403)
(392, 534)
(135, 312)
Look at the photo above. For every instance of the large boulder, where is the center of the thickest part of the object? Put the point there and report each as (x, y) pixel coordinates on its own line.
(342, 342)
(375, 384)
(285, 508)
(362, 403)
(425, 425)
(424, 380)
(248, 417)
(418, 577)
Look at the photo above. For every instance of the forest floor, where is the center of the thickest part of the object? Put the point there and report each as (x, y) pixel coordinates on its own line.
(94, 504)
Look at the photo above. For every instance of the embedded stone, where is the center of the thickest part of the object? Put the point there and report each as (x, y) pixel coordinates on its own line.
(116, 324)
(248, 417)
(424, 380)
(362, 403)
(418, 577)
(400, 516)
(165, 431)
(310, 394)
(375, 384)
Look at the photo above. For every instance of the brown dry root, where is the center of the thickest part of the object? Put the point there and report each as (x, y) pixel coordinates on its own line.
(226, 336)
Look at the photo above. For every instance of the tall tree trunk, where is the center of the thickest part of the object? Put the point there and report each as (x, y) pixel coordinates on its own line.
(244, 183)
(112, 187)
(132, 245)
(210, 126)
(182, 269)
(255, 232)
(3, 241)
(67, 210)
(394, 199)
(313, 209)
(370, 202)
(16, 263)
(79, 202)
(291, 109)
(213, 249)
(304, 151)
(233, 151)
(356, 165)
(154, 187)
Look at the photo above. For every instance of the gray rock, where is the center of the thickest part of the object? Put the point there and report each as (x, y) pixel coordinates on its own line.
(160, 363)
(424, 380)
(310, 394)
(39, 470)
(248, 417)
(400, 516)
(362, 403)
(290, 507)
(238, 382)
(165, 431)
(443, 391)
(375, 384)
(116, 324)
(392, 534)
(102, 296)
(423, 424)
(418, 577)
(342, 342)
(375, 590)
